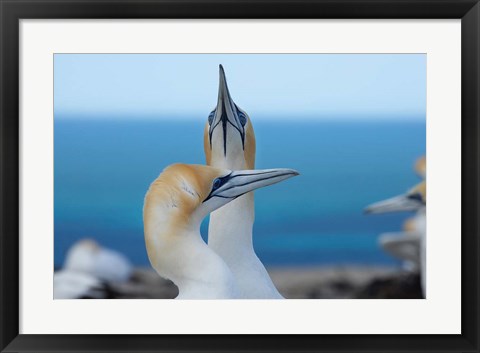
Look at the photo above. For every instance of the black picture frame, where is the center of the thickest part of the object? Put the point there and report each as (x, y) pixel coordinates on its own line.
(12, 11)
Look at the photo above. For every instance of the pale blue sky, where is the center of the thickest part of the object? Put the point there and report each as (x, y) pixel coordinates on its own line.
(354, 86)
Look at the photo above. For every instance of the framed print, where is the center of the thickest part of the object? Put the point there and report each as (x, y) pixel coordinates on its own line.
(230, 176)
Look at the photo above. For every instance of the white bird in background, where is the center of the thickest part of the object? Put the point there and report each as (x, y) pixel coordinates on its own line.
(229, 143)
(414, 237)
(175, 205)
(77, 285)
(404, 245)
(88, 269)
(89, 257)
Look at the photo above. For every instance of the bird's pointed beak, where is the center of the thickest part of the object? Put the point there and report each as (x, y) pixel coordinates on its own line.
(240, 182)
(395, 204)
(223, 93)
(226, 115)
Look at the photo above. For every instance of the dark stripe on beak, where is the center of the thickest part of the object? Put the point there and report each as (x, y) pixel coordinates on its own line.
(225, 105)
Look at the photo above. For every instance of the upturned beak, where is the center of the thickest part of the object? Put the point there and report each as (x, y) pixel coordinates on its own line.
(399, 203)
(226, 112)
(240, 182)
(223, 93)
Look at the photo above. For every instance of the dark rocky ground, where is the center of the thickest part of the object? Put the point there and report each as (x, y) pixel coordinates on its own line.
(404, 286)
(296, 283)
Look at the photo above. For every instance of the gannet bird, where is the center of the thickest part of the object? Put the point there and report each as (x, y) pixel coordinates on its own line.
(175, 205)
(88, 257)
(77, 285)
(404, 245)
(414, 200)
(88, 271)
(229, 142)
(410, 245)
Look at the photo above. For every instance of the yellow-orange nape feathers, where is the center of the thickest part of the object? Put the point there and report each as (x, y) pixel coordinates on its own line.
(249, 148)
(179, 189)
(421, 166)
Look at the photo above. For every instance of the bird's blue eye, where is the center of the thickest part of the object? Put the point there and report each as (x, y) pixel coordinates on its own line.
(210, 117)
(216, 184)
(242, 118)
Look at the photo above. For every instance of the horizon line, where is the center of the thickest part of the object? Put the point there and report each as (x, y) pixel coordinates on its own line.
(258, 117)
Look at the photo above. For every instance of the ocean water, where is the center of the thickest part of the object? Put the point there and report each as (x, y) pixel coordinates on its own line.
(103, 168)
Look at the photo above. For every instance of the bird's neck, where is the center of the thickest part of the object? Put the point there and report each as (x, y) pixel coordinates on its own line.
(183, 257)
(230, 229)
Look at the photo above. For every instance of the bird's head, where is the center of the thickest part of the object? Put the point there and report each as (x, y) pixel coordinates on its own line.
(229, 140)
(81, 254)
(409, 225)
(421, 167)
(414, 200)
(184, 194)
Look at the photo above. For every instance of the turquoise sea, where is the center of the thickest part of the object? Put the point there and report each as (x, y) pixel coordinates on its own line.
(103, 168)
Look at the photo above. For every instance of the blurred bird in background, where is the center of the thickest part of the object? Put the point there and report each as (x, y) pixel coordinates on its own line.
(408, 245)
(89, 271)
